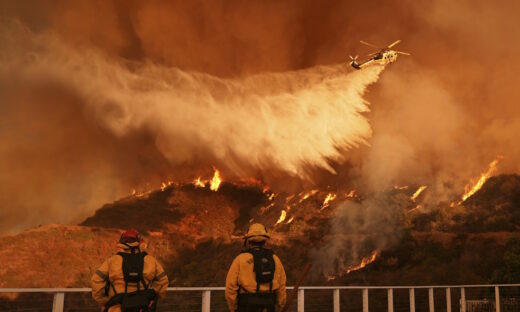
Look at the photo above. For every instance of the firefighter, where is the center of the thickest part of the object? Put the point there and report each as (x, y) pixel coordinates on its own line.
(130, 280)
(256, 279)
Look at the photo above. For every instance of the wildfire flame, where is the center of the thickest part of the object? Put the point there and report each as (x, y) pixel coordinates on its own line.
(135, 193)
(331, 277)
(326, 203)
(215, 181)
(266, 208)
(471, 188)
(418, 192)
(351, 194)
(290, 220)
(282, 217)
(415, 208)
(364, 262)
(199, 183)
(307, 195)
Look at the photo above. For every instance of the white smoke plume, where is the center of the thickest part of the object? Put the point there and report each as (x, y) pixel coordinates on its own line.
(283, 120)
(81, 123)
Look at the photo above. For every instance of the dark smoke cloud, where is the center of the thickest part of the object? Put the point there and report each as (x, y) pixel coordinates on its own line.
(438, 117)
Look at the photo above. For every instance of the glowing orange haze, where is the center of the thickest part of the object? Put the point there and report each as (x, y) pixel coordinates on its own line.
(148, 90)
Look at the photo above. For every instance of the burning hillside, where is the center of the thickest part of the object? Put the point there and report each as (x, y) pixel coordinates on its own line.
(188, 225)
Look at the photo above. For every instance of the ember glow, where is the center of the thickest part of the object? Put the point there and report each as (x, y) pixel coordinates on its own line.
(472, 187)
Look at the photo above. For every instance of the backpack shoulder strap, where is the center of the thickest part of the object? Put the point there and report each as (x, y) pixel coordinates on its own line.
(270, 254)
(124, 256)
(143, 255)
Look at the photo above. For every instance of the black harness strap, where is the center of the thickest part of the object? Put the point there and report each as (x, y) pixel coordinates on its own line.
(101, 274)
(113, 287)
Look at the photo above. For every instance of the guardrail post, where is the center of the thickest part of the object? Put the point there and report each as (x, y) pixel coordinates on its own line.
(497, 299)
(390, 297)
(335, 295)
(462, 300)
(448, 299)
(430, 300)
(365, 299)
(412, 299)
(58, 302)
(301, 300)
(206, 300)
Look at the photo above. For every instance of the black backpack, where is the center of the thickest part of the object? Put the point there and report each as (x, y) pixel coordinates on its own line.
(264, 267)
(141, 300)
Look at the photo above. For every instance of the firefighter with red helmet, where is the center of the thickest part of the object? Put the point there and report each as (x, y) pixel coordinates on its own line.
(130, 280)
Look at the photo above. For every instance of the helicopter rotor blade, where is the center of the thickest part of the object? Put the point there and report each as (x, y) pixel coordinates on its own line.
(369, 44)
(373, 53)
(403, 53)
(394, 43)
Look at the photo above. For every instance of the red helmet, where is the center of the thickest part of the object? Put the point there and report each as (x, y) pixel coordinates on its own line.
(130, 236)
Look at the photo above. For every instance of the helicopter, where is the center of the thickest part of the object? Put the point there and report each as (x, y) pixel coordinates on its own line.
(383, 56)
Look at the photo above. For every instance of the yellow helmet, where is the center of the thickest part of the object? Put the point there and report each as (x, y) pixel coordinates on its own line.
(257, 233)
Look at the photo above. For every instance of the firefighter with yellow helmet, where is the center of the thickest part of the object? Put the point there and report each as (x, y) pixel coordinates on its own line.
(256, 279)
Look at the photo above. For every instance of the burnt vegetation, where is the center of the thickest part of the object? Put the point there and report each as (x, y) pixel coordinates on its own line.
(196, 232)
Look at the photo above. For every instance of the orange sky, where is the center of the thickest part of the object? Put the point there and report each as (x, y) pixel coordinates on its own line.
(437, 117)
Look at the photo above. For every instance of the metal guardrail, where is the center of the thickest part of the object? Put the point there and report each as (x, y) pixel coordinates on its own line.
(58, 304)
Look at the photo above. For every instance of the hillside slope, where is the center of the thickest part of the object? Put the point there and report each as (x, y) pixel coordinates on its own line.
(195, 233)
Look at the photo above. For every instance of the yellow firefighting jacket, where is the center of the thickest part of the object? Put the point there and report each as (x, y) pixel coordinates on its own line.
(241, 274)
(112, 269)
